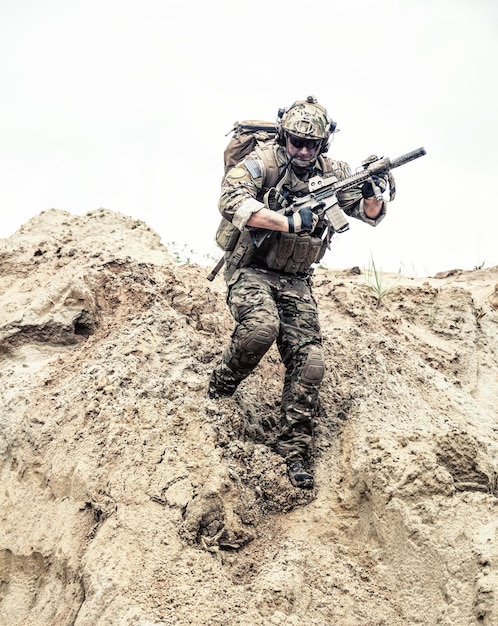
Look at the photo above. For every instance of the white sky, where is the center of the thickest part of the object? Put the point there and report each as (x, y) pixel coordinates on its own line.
(125, 104)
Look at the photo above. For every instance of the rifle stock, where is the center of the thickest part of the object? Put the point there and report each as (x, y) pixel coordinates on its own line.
(212, 274)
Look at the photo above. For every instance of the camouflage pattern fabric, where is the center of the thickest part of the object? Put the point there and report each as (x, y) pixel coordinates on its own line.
(272, 305)
(267, 307)
(244, 186)
(307, 118)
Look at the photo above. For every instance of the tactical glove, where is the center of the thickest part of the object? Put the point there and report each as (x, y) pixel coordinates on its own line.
(367, 191)
(302, 221)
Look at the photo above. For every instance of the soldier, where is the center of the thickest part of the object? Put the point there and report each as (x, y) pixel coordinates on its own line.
(269, 287)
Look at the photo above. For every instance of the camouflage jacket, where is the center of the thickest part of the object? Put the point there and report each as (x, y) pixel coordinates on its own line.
(244, 186)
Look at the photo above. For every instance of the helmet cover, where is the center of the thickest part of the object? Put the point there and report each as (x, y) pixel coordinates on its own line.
(307, 119)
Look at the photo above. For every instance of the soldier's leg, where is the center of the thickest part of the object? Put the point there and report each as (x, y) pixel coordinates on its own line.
(300, 401)
(251, 302)
(300, 346)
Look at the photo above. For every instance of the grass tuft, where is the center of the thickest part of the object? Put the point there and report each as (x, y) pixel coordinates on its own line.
(375, 281)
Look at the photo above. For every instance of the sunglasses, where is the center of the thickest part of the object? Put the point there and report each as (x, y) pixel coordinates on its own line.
(310, 144)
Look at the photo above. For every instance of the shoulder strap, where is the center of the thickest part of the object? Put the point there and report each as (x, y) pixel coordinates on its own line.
(273, 169)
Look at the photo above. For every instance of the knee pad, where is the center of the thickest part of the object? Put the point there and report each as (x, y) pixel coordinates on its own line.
(259, 340)
(314, 367)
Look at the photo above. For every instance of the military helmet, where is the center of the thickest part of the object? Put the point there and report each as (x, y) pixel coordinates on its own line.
(306, 119)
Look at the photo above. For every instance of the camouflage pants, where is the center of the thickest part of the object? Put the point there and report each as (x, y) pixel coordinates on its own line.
(269, 307)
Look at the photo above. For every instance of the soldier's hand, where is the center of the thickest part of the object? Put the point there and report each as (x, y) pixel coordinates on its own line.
(302, 221)
(367, 190)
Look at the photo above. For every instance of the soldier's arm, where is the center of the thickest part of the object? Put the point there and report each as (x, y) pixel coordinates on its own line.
(238, 202)
(270, 220)
(373, 208)
(369, 210)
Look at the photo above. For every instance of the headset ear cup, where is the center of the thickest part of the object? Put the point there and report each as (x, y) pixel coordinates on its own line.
(327, 140)
(281, 133)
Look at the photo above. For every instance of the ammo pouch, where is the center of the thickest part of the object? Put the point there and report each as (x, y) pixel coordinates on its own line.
(294, 254)
(227, 235)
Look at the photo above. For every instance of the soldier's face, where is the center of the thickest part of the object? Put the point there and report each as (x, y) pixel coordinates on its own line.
(302, 149)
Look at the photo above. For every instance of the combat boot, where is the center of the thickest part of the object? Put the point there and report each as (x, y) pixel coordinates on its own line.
(220, 389)
(298, 476)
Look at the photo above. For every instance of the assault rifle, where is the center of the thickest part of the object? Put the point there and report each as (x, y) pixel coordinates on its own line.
(322, 197)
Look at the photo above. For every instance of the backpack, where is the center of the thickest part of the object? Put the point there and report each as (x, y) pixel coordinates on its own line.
(247, 136)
